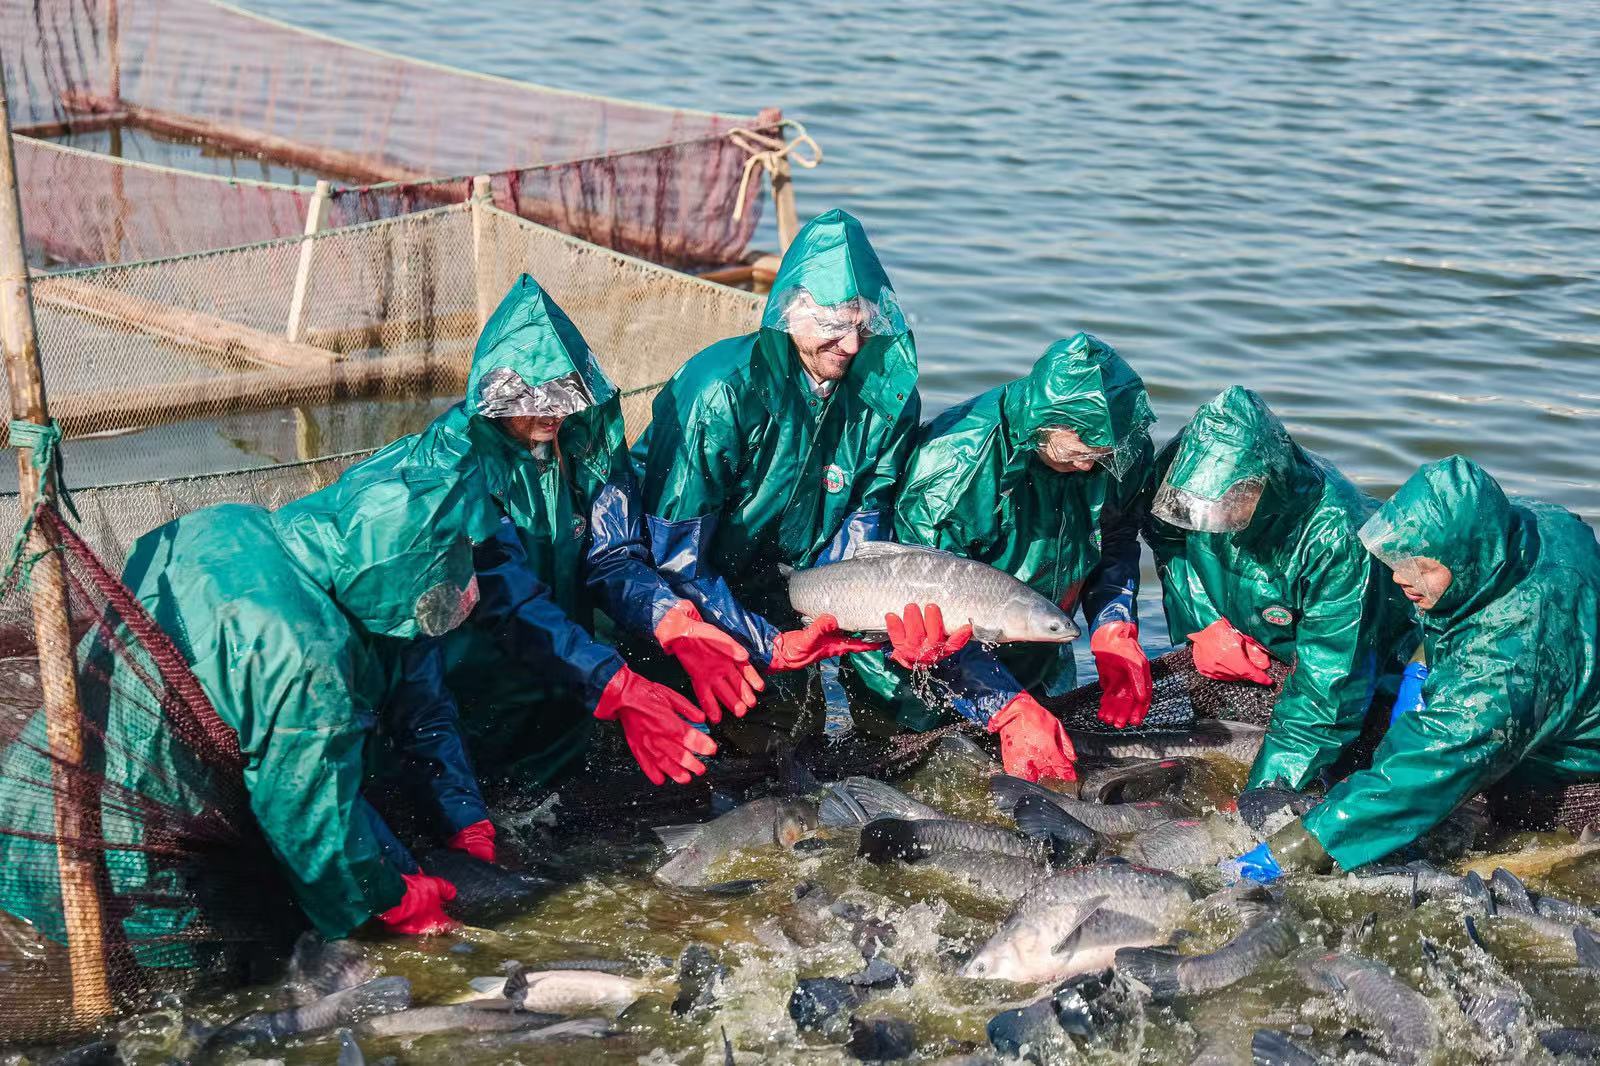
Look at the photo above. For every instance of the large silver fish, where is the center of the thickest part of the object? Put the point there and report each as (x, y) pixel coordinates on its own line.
(882, 577)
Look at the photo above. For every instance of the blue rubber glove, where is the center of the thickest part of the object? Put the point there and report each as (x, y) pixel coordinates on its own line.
(1257, 864)
(1409, 697)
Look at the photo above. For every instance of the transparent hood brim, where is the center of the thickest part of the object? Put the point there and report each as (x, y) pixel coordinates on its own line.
(1380, 537)
(1116, 460)
(1229, 513)
(504, 394)
(875, 318)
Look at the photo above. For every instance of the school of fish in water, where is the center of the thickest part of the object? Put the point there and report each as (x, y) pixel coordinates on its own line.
(959, 916)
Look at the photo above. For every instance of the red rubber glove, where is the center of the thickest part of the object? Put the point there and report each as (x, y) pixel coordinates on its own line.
(718, 666)
(1225, 654)
(476, 840)
(1032, 742)
(921, 639)
(797, 649)
(421, 910)
(1125, 686)
(655, 723)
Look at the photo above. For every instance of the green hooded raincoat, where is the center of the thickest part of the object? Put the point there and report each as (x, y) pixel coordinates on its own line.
(1513, 648)
(1296, 579)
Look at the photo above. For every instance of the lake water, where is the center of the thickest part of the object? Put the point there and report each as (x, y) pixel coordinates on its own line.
(1382, 217)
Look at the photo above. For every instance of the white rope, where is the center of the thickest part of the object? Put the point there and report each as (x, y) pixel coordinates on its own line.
(769, 153)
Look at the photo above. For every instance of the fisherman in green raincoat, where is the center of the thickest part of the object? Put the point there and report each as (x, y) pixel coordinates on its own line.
(1256, 542)
(783, 447)
(1044, 478)
(1509, 592)
(538, 442)
(306, 629)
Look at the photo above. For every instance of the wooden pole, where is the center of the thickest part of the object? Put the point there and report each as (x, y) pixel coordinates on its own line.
(114, 50)
(75, 827)
(316, 218)
(483, 263)
(783, 202)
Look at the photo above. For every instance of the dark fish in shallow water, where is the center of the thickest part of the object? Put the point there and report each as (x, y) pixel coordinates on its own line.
(1032, 1034)
(889, 839)
(1497, 1012)
(382, 995)
(1165, 973)
(881, 1039)
(1238, 741)
(319, 967)
(455, 1018)
(1005, 877)
(882, 577)
(824, 1005)
(1075, 920)
(1379, 998)
(1186, 843)
(1109, 818)
(761, 822)
(1582, 1044)
(700, 975)
(1133, 780)
(485, 893)
(858, 800)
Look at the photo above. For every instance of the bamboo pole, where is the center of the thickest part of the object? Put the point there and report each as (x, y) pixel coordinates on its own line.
(482, 250)
(316, 218)
(74, 826)
(114, 50)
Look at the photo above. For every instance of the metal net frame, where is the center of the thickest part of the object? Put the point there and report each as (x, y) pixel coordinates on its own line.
(395, 134)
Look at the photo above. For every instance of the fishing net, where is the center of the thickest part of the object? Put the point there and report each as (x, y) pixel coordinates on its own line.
(129, 865)
(1573, 807)
(124, 77)
(1180, 695)
(301, 348)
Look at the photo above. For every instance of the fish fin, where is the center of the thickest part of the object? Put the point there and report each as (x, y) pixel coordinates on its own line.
(838, 808)
(1363, 928)
(1473, 888)
(1416, 889)
(1590, 834)
(1588, 946)
(884, 840)
(883, 549)
(516, 986)
(880, 800)
(727, 1048)
(1269, 1047)
(784, 569)
(349, 1051)
(1472, 933)
(1090, 906)
(678, 837)
(489, 986)
(1008, 791)
(1069, 839)
(1153, 969)
(1510, 892)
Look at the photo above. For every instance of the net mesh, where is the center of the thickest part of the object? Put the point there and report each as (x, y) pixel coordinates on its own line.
(128, 862)
(398, 135)
(381, 315)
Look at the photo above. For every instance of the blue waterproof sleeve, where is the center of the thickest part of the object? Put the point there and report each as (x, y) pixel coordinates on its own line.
(859, 527)
(1110, 592)
(680, 553)
(423, 724)
(980, 682)
(395, 853)
(618, 567)
(516, 607)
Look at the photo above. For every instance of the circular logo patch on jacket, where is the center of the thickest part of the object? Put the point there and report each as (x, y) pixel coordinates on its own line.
(1278, 616)
(833, 478)
(579, 527)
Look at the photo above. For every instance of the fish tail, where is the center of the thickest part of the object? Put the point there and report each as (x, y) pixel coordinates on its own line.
(1509, 891)
(381, 995)
(1008, 791)
(1269, 1047)
(1070, 841)
(888, 839)
(1588, 946)
(838, 808)
(879, 799)
(1155, 969)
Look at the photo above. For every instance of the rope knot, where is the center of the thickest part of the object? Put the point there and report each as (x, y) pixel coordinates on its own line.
(769, 153)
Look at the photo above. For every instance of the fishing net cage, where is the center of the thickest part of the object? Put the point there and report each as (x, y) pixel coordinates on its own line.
(129, 863)
(1180, 694)
(203, 82)
(301, 348)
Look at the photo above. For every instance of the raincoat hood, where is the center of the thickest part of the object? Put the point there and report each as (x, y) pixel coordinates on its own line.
(1453, 512)
(390, 550)
(833, 263)
(1084, 385)
(530, 336)
(1234, 439)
